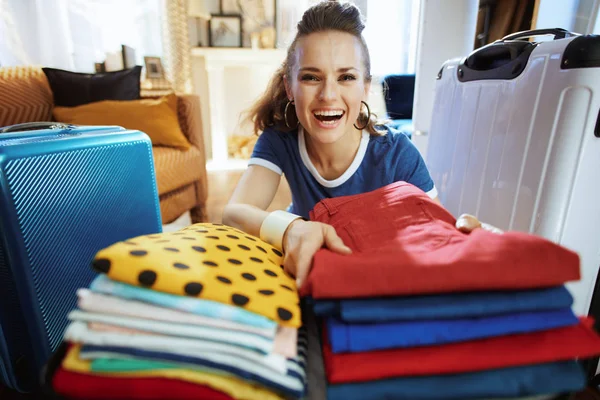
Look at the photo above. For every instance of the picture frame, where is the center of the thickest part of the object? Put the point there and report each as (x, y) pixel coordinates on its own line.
(154, 68)
(258, 16)
(225, 30)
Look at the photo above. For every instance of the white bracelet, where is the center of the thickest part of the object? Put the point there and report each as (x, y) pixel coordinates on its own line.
(274, 226)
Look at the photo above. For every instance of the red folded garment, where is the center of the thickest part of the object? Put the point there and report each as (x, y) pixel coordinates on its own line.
(579, 341)
(403, 243)
(73, 385)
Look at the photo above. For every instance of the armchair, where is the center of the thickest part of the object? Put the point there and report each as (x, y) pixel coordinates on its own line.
(25, 96)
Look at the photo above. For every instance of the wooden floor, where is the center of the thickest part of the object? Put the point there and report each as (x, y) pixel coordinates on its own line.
(221, 185)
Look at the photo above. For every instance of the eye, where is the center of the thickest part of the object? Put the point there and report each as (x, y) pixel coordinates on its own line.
(347, 77)
(308, 77)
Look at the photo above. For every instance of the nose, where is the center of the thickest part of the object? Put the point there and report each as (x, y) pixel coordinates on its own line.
(328, 90)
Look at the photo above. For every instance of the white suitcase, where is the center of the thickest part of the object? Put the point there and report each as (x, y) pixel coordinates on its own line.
(515, 140)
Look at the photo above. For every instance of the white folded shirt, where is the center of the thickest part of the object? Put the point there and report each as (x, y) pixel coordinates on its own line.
(78, 332)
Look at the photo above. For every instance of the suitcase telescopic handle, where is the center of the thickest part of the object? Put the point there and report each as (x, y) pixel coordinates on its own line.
(558, 33)
(29, 126)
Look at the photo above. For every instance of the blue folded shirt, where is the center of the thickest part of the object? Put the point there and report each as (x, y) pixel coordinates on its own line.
(446, 306)
(551, 378)
(355, 337)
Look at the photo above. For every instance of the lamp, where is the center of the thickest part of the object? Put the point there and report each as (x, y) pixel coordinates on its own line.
(197, 9)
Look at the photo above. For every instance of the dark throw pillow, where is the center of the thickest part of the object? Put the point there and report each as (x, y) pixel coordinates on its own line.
(72, 89)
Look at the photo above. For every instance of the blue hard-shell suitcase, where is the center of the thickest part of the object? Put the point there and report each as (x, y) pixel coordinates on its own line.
(65, 193)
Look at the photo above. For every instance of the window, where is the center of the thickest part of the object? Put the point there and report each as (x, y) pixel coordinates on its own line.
(75, 34)
(391, 34)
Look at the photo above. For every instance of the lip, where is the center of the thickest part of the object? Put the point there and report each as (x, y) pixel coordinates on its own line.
(326, 125)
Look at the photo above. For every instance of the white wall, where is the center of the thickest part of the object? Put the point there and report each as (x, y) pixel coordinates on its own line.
(557, 14)
(447, 30)
(578, 16)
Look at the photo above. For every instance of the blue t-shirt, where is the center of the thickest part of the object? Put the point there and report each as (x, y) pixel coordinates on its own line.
(380, 161)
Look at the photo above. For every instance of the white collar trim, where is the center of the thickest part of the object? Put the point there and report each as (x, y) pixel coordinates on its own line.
(360, 155)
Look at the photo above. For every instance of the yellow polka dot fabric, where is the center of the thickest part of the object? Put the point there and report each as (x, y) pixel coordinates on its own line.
(208, 261)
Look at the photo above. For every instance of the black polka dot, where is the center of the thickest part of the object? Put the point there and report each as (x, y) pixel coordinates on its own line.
(179, 233)
(250, 238)
(154, 236)
(138, 252)
(270, 273)
(239, 299)
(199, 249)
(217, 224)
(224, 280)
(277, 252)
(281, 266)
(173, 249)
(181, 266)
(210, 263)
(130, 242)
(266, 292)
(241, 246)
(212, 237)
(272, 262)
(224, 248)
(234, 261)
(101, 265)
(284, 315)
(222, 230)
(188, 238)
(287, 287)
(261, 249)
(201, 231)
(147, 277)
(258, 260)
(248, 276)
(162, 241)
(193, 288)
(233, 237)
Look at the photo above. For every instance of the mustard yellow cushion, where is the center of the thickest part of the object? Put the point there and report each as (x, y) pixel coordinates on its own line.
(155, 117)
(209, 261)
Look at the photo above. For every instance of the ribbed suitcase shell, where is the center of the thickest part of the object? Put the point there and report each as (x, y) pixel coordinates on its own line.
(64, 195)
(524, 153)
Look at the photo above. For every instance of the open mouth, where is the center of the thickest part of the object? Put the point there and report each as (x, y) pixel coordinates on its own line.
(329, 117)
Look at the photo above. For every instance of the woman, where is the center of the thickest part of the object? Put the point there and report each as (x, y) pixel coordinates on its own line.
(317, 130)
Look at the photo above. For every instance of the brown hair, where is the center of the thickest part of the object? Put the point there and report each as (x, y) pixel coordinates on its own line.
(269, 110)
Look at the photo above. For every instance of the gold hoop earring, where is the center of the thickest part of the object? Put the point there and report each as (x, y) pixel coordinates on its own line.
(285, 111)
(368, 116)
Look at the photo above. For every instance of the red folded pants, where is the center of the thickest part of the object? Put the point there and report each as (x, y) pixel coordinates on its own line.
(561, 344)
(73, 385)
(403, 243)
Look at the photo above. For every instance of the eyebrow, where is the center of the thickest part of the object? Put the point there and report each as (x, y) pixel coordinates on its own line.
(314, 69)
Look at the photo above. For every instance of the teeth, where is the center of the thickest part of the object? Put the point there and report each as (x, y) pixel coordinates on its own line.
(329, 113)
(329, 122)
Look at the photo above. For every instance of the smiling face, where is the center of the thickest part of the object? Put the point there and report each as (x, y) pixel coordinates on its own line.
(327, 83)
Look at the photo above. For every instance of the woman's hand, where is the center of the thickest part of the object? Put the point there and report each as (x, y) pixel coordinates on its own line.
(467, 223)
(302, 240)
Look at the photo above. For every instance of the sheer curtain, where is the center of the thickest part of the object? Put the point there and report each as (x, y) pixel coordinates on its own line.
(75, 34)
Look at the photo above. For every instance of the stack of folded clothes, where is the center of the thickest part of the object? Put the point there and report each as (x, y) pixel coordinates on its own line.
(423, 311)
(206, 313)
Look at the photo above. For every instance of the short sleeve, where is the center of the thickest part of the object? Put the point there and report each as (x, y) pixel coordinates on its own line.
(411, 167)
(268, 150)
